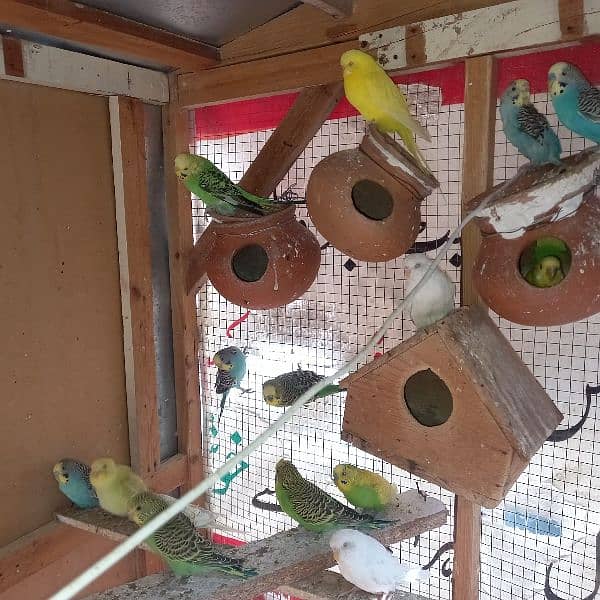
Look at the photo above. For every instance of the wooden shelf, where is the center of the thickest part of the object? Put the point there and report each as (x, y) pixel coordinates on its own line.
(279, 560)
(332, 586)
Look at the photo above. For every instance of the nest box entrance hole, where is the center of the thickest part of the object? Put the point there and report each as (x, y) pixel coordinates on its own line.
(372, 200)
(545, 262)
(250, 263)
(428, 398)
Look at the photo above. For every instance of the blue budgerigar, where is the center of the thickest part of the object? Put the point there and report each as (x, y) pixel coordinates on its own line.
(576, 101)
(526, 128)
(73, 479)
(231, 365)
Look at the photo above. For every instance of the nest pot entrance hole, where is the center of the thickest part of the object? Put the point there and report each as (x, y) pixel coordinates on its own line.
(428, 398)
(372, 200)
(545, 262)
(250, 263)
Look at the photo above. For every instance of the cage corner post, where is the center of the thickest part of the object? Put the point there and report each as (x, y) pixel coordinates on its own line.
(176, 137)
(477, 176)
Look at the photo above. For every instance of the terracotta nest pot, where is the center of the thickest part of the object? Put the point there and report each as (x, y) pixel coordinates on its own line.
(542, 205)
(257, 263)
(366, 201)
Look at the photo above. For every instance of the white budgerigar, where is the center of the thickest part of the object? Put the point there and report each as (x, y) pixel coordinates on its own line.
(435, 299)
(367, 564)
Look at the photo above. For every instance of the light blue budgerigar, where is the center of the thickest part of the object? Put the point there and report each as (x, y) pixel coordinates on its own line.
(575, 100)
(73, 479)
(526, 128)
(231, 365)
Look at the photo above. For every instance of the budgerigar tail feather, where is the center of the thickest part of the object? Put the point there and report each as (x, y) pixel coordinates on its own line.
(328, 390)
(416, 574)
(222, 405)
(412, 147)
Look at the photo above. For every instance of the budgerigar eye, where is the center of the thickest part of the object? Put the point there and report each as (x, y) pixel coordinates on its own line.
(514, 89)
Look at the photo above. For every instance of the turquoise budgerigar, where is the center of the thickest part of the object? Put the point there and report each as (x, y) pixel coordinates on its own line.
(311, 507)
(73, 479)
(217, 191)
(576, 101)
(285, 389)
(179, 544)
(526, 128)
(231, 365)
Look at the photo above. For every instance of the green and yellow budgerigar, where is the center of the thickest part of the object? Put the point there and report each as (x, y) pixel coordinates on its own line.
(546, 262)
(311, 507)
(364, 489)
(285, 389)
(201, 177)
(179, 544)
(379, 100)
(115, 485)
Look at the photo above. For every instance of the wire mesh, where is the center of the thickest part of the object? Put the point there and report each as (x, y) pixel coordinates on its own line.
(553, 510)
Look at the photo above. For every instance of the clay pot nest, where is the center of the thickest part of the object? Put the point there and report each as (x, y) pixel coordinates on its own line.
(366, 201)
(257, 263)
(548, 213)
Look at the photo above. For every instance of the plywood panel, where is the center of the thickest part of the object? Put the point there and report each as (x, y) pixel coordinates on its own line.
(62, 376)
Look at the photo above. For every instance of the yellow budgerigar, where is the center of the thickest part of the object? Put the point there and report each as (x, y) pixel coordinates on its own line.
(364, 489)
(115, 485)
(372, 92)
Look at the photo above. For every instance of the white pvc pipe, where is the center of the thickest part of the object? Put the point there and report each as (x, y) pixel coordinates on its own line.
(115, 555)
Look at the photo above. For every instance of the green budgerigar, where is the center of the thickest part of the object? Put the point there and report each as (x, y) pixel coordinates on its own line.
(201, 177)
(546, 262)
(179, 544)
(311, 507)
(364, 489)
(285, 389)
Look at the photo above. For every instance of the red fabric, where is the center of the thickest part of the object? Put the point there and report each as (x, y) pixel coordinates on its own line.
(234, 118)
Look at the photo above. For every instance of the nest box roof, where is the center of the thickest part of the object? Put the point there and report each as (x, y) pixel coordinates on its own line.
(510, 392)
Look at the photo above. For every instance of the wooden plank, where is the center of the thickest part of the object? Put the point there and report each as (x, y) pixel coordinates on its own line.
(335, 8)
(306, 27)
(170, 475)
(282, 558)
(477, 176)
(516, 25)
(135, 264)
(183, 305)
(86, 25)
(289, 140)
(12, 52)
(267, 76)
(54, 67)
(332, 586)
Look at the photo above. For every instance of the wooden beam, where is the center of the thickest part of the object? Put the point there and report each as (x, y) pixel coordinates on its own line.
(54, 67)
(266, 76)
(12, 52)
(307, 27)
(282, 558)
(335, 8)
(514, 26)
(332, 586)
(85, 25)
(176, 135)
(477, 176)
(171, 474)
(288, 141)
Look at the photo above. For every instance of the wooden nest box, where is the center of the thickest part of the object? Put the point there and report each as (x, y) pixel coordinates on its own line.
(454, 405)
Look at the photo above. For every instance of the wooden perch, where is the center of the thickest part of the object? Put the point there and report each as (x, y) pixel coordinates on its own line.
(335, 8)
(288, 141)
(332, 586)
(279, 560)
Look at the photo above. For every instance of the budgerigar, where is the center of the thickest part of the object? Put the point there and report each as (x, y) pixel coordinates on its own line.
(179, 544)
(311, 507)
(576, 101)
(526, 128)
(73, 479)
(364, 489)
(285, 389)
(115, 485)
(367, 564)
(379, 100)
(217, 191)
(231, 365)
(435, 299)
(545, 262)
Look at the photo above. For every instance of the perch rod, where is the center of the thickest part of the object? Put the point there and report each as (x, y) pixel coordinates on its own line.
(115, 555)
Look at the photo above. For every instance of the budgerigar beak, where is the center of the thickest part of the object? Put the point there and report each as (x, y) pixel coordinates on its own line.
(336, 555)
